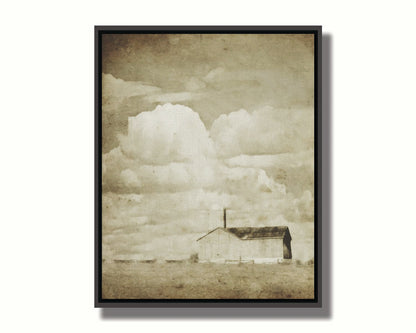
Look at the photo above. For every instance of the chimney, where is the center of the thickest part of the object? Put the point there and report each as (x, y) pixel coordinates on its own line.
(225, 217)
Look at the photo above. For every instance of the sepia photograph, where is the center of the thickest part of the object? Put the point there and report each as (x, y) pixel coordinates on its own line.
(206, 164)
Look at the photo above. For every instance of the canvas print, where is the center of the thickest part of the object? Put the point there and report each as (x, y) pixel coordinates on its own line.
(207, 166)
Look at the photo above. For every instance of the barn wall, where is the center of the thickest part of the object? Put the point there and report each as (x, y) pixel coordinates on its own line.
(221, 245)
(261, 248)
(218, 245)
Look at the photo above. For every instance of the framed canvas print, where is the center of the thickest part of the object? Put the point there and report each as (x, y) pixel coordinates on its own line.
(207, 166)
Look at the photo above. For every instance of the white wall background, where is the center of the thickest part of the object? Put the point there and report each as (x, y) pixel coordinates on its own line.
(46, 129)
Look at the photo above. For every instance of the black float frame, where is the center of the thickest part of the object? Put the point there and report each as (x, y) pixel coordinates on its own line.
(316, 302)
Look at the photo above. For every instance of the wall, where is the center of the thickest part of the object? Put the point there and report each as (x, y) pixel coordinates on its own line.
(287, 247)
(223, 245)
(47, 169)
(219, 245)
(265, 248)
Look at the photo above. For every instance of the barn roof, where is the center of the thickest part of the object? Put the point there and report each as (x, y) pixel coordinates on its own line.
(263, 232)
(246, 233)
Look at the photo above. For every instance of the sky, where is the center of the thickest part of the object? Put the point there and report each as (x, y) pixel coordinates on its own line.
(194, 123)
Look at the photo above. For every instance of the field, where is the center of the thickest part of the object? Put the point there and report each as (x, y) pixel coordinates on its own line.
(207, 281)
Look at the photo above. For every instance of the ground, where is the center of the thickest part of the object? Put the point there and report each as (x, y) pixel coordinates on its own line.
(207, 281)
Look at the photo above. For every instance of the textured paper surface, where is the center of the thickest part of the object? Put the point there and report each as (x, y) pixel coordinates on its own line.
(193, 124)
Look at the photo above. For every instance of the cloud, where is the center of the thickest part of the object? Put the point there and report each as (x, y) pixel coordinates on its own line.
(115, 91)
(214, 74)
(172, 97)
(179, 246)
(294, 170)
(302, 208)
(286, 160)
(245, 181)
(264, 131)
(123, 175)
(114, 87)
(194, 84)
(170, 133)
(130, 178)
(169, 149)
(173, 177)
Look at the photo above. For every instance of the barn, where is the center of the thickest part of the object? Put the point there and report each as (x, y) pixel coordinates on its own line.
(246, 244)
